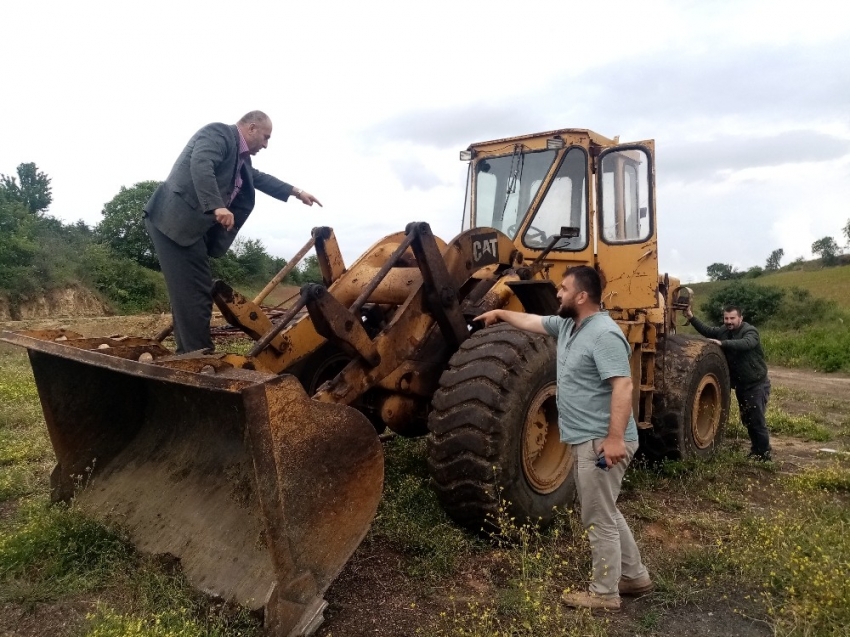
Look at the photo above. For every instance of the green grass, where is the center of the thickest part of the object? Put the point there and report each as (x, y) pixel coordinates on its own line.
(25, 453)
(797, 559)
(55, 551)
(834, 477)
(824, 348)
(409, 505)
(803, 426)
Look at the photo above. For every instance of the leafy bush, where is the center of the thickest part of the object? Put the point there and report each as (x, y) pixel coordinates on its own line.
(800, 309)
(757, 302)
(129, 286)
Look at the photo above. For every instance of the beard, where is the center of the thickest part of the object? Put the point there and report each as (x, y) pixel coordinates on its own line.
(567, 312)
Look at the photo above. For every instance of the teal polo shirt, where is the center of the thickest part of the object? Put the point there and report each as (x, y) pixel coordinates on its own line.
(587, 358)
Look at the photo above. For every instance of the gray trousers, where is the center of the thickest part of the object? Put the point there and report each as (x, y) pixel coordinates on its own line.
(613, 549)
(189, 282)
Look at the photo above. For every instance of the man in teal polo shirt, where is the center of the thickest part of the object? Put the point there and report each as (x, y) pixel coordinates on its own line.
(595, 418)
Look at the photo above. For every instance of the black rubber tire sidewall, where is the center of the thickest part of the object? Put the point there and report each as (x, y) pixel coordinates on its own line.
(475, 447)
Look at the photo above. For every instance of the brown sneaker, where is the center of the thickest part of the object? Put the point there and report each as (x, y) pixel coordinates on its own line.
(586, 599)
(635, 587)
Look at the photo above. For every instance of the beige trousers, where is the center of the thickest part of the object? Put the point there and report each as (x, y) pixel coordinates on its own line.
(612, 545)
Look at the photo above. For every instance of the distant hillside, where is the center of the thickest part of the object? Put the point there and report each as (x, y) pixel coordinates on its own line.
(829, 283)
(810, 332)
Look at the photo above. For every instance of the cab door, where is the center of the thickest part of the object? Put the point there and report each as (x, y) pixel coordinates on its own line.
(626, 240)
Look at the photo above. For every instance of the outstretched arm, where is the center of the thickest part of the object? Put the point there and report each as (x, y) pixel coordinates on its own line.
(521, 320)
(278, 189)
(711, 333)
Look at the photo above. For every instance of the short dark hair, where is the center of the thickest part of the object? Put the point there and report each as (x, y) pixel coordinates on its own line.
(254, 117)
(733, 308)
(587, 280)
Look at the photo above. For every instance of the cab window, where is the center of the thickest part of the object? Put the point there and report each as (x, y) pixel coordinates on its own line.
(564, 204)
(505, 186)
(625, 189)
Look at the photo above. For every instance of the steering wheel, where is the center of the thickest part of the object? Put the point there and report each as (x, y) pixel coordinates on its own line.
(533, 234)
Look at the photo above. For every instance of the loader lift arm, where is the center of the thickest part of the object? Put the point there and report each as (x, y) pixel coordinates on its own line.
(432, 298)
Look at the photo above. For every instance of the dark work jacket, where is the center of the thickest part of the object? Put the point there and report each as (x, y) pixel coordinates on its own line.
(202, 180)
(742, 347)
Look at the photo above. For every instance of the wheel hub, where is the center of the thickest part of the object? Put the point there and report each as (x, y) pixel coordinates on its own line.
(546, 461)
(705, 417)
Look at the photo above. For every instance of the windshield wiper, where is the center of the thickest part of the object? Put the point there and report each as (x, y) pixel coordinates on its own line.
(515, 173)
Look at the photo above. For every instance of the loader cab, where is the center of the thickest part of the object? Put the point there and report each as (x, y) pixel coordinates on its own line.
(531, 187)
(530, 194)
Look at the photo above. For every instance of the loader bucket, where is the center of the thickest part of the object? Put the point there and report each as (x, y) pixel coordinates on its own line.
(261, 492)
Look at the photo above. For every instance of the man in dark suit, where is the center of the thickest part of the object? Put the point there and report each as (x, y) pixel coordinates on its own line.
(197, 211)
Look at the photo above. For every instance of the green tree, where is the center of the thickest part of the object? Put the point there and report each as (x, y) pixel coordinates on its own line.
(721, 272)
(757, 302)
(846, 231)
(33, 191)
(227, 267)
(773, 260)
(309, 271)
(122, 228)
(18, 246)
(827, 248)
(255, 262)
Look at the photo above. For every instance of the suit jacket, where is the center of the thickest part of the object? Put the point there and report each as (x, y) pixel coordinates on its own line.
(202, 179)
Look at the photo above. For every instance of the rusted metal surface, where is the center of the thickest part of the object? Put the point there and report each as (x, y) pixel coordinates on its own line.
(581, 136)
(240, 311)
(340, 326)
(403, 340)
(261, 492)
(441, 293)
(546, 461)
(328, 254)
(706, 411)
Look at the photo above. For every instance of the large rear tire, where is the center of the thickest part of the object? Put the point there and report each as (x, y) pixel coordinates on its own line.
(691, 408)
(494, 431)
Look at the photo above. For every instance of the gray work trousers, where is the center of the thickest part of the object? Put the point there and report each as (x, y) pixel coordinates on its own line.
(612, 546)
(189, 281)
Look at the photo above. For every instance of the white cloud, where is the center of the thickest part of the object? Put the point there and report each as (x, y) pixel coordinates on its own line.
(372, 100)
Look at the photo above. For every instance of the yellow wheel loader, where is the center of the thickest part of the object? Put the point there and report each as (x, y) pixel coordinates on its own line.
(262, 472)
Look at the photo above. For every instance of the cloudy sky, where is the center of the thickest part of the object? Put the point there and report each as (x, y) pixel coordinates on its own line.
(749, 104)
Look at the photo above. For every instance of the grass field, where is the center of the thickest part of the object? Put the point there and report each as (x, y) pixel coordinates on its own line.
(831, 283)
(734, 547)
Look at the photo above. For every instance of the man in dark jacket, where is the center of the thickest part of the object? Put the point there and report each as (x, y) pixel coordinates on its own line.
(197, 211)
(747, 371)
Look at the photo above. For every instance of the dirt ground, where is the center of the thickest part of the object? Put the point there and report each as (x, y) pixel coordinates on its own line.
(373, 595)
(817, 383)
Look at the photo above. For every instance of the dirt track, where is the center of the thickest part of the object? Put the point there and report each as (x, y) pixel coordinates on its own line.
(826, 385)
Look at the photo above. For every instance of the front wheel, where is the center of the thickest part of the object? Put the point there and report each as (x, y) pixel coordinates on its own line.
(494, 432)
